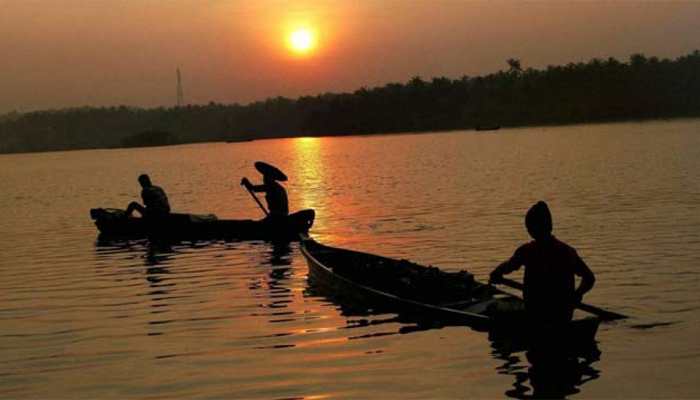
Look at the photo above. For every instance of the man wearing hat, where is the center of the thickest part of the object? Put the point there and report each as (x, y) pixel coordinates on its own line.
(550, 265)
(275, 194)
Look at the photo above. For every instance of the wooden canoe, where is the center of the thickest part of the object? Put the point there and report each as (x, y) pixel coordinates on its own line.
(115, 223)
(427, 294)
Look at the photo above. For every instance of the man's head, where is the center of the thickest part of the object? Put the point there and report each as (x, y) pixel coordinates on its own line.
(145, 181)
(538, 221)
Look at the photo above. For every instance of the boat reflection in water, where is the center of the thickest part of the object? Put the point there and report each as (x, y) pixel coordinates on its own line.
(277, 257)
(360, 312)
(548, 368)
(543, 372)
(157, 257)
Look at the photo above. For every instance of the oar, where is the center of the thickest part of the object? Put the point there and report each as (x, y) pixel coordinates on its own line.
(257, 201)
(604, 315)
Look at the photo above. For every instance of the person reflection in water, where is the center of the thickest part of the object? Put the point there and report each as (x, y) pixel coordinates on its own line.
(550, 265)
(155, 200)
(275, 194)
(550, 381)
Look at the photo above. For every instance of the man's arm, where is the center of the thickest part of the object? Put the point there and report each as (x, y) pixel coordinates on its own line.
(587, 278)
(514, 263)
(255, 188)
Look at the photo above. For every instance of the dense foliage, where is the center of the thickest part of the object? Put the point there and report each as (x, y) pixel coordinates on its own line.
(599, 90)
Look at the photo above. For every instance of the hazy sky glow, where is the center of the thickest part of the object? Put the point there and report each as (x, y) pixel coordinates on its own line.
(109, 52)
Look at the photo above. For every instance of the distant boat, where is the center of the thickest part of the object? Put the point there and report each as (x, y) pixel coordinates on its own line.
(245, 139)
(487, 127)
(238, 139)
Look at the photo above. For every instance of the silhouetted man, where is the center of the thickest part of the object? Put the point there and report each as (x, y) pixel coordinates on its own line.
(154, 198)
(275, 194)
(550, 266)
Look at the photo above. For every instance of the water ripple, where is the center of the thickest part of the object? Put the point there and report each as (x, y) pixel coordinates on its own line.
(227, 319)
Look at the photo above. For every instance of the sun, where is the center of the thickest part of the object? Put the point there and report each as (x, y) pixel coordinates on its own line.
(301, 40)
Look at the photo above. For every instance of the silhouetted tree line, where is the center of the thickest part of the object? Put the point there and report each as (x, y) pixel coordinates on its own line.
(599, 90)
(149, 138)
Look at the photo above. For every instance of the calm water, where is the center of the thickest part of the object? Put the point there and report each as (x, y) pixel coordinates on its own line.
(238, 320)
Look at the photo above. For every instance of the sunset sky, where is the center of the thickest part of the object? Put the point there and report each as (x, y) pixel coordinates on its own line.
(106, 52)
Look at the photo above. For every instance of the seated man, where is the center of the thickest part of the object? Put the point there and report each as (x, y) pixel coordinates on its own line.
(550, 266)
(154, 199)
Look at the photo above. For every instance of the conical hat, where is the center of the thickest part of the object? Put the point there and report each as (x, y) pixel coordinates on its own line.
(270, 171)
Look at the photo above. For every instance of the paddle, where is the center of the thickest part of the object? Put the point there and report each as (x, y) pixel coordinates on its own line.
(604, 315)
(256, 200)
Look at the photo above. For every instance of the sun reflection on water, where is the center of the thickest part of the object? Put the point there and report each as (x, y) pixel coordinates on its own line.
(320, 186)
(307, 167)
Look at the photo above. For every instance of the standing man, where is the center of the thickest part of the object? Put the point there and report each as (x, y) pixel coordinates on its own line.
(155, 200)
(275, 194)
(550, 265)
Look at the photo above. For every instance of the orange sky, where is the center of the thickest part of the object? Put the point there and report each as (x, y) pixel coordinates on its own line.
(109, 52)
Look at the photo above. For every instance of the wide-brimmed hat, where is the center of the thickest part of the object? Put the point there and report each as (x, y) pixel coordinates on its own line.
(270, 171)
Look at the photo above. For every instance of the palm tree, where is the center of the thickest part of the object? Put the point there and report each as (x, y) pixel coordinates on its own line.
(514, 65)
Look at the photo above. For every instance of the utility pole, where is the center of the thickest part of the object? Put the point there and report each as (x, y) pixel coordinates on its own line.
(180, 96)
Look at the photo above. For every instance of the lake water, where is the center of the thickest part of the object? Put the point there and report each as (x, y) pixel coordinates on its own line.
(127, 319)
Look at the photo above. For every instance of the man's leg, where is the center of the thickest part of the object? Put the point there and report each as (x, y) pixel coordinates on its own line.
(135, 206)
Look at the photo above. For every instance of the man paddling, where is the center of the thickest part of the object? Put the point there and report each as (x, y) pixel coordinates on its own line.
(155, 201)
(275, 194)
(550, 265)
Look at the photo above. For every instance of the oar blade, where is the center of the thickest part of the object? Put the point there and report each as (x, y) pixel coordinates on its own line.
(604, 315)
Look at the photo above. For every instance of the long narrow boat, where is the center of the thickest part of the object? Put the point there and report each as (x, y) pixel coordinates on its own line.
(427, 293)
(114, 223)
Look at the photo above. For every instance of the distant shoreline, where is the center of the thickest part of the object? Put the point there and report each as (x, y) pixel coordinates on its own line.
(598, 91)
(503, 128)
